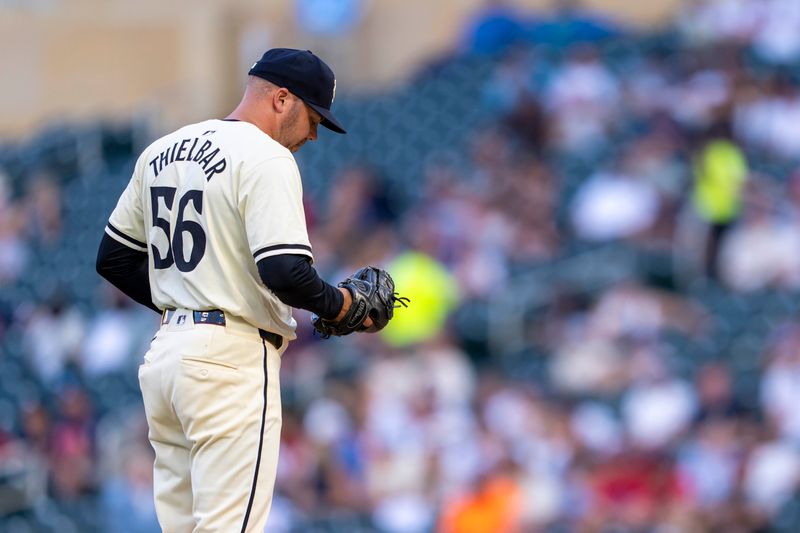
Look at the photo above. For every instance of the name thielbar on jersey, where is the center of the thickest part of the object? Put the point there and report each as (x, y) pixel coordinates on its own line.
(205, 155)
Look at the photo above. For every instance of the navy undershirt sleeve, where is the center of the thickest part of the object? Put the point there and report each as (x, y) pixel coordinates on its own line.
(295, 282)
(126, 269)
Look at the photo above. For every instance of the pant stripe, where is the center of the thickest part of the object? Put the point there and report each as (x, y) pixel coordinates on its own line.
(260, 443)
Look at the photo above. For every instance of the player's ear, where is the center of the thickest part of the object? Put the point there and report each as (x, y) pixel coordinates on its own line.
(280, 99)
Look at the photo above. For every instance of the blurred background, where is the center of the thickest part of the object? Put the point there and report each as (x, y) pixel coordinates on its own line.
(594, 207)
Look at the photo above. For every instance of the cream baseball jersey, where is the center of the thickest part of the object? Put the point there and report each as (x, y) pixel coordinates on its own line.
(207, 202)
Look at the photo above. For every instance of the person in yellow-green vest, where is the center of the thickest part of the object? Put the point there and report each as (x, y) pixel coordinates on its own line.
(720, 173)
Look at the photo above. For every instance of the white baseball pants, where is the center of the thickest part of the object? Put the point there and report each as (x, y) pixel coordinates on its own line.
(212, 400)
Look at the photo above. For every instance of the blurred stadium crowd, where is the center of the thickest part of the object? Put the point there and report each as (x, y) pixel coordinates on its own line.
(600, 233)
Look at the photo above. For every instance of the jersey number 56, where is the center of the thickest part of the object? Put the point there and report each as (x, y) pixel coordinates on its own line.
(175, 251)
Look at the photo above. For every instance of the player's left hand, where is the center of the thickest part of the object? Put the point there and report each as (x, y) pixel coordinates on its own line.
(372, 307)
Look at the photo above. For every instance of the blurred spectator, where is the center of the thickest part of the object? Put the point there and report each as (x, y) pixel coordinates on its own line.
(763, 249)
(434, 293)
(37, 429)
(297, 464)
(494, 504)
(54, 333)
(72, 453)
(130, 495)
(597, 428)
(656, 161)
(720, 172)
(355, 206)
(658, 407)
(768, 25)
(116, 338)
(771, 475)
(701, 102)
(632, 491)
(631, 310)
(776, 39)
(447, 373)
(588, 363)
(13, 248)
(766, 114)
(709, 463)
(779, 391)
(715, 394)
(527, 121)
(525, 220)
(593, 353)
(44, 206)
(582, 98)
(728, 20)
(612, 206)
(23, 475)
(511, 82)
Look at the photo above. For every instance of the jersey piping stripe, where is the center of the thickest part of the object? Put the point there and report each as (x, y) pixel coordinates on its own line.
(131, 240)
(281, 247)
(260, 442)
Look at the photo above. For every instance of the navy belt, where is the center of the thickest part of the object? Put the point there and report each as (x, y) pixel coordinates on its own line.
(216, 317)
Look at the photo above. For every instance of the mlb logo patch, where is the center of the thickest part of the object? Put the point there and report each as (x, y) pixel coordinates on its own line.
(181, 320)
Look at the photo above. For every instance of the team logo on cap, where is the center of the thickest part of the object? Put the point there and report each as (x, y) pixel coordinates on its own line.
(333, 96)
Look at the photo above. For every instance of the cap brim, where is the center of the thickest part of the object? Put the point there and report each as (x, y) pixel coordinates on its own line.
(328, 120)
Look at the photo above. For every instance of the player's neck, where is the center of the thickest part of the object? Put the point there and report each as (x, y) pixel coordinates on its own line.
(265, 123)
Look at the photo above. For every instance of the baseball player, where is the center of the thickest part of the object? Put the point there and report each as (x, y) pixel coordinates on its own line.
(210, 232)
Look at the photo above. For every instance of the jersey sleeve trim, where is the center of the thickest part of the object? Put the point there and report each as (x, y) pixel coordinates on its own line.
(130, 242)
(277, 249)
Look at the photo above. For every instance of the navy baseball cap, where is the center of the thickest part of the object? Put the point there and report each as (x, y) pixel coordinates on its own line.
(305, 75)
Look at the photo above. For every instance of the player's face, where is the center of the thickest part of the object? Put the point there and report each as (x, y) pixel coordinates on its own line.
(300, 125)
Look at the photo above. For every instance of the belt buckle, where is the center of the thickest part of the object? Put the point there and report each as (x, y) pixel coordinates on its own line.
(166, 316)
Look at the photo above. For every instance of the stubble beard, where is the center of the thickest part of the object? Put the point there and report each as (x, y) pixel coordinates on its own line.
(287, 128)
